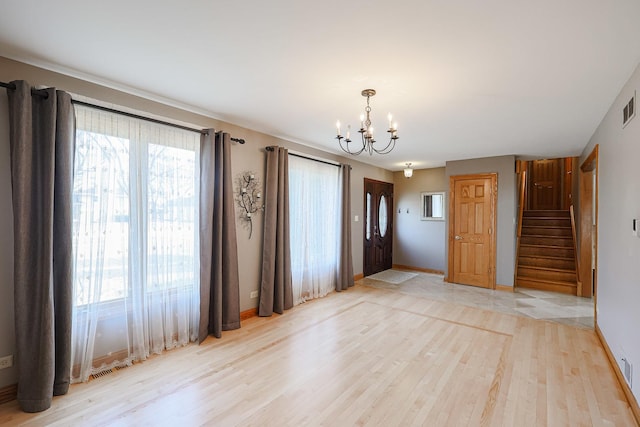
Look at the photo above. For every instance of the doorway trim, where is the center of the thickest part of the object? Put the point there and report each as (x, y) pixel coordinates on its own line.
(589, 226)
(451, 219)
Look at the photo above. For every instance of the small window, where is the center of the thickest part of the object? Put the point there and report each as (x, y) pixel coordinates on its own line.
(432, 206)
(368, 218)
(382, 216)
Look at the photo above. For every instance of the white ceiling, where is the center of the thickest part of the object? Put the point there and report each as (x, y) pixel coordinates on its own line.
(463, 78)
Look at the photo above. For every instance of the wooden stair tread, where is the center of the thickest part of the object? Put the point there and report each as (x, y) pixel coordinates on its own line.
(547, 236)
(533, 245)
(547, 285)
(548, 257)
(562, 227)
(554, 282)
(545, 212)
(558, 270)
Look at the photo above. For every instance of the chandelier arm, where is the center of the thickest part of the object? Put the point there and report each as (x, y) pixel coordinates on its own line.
(388, 148)
(346, 149)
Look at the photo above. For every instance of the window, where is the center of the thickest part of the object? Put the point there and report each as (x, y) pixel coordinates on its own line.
(368, 218)
(432, 206)
(135, 236)
(314, 210)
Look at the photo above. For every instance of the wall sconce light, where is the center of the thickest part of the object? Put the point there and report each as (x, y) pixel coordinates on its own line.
(408, 171)
(249, 197)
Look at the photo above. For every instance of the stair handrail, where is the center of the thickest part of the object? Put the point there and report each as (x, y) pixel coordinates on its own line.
(575, 249)
(523, 187)
(521, 199)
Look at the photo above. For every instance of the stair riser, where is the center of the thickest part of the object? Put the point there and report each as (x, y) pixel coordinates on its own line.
(560, 263)
(546, 241)
(556, 276)
(542, 231)
(550, 252)
(548, 222)
(565, 289)
(561, 214)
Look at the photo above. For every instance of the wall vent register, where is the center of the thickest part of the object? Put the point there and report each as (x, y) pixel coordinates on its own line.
(629, 110)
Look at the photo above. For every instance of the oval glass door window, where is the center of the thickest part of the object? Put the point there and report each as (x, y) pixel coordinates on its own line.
(382, 216)
(367, 226)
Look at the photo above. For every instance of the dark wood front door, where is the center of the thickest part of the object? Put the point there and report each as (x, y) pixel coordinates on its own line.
(378, 226)
(545, 184)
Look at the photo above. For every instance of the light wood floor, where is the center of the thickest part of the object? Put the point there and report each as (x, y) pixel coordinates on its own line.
(362, 357)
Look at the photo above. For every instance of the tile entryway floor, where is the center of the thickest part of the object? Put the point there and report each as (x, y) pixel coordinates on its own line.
(560, 308)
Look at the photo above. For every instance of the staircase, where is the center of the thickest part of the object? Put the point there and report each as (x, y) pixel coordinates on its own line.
(546, 259)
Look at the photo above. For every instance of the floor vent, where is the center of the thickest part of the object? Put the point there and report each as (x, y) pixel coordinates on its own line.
(107, 372)
(101, 374)
(627, 370)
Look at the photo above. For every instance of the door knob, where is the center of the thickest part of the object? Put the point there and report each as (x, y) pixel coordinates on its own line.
(458, 237)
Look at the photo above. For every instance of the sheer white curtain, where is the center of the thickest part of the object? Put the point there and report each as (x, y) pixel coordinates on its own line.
(314, 207)
(135, 227)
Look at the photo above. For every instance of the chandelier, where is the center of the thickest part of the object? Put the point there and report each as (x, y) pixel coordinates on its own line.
(366, 133)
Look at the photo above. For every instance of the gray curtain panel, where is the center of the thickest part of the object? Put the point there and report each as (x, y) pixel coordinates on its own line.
(345, 262)
(42, 139)
(219, 281)
(276, 293)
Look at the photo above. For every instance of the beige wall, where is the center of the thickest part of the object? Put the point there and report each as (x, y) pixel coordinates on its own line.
(418, 243)
(618, 280)
(244, 158)
(504, 166)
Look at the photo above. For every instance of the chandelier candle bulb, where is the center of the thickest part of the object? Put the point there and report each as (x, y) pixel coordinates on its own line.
(338, 127)
(390, 117)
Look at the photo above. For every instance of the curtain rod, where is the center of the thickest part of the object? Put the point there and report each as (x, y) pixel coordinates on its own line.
(315, 160)
(12, 86)
(302, 156)
(38, 92)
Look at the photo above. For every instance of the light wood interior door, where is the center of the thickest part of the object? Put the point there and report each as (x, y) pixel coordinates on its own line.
(471, 230)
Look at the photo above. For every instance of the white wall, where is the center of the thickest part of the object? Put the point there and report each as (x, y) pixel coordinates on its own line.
(504, 166)
(248, 157)
(418, 243)
(618, 293)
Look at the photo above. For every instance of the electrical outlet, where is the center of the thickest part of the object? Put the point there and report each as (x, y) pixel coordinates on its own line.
(6, 362)
(254, 294)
